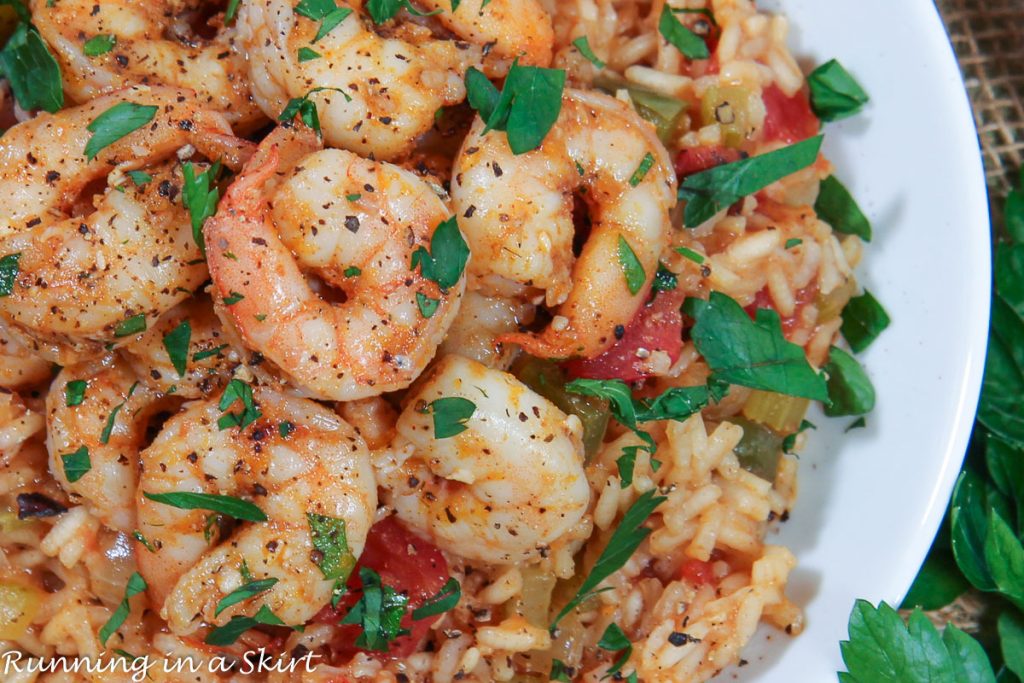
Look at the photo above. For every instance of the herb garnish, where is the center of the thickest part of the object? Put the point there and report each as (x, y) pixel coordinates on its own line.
(136, 584)
(305, 108)
(614, 640)
(74, 392)
(120, 120)
(225, 505)
(200, 196)
(863, 320)
(237, 390)
(427, 305)
(31, 69)
(683, 39)
(99, 45)
(447, 258)
(327, 13)
(384, 10)
(526, 108)
(450, 415)
(229, 632)
(333, 556)
(835, 94)
(108, 428)
(583, 45)
(708, 192)
(439, 603)
(691, 255)
(379, 612)
(243, 593)
(631, 267)
(849, 389)
(641, 171)
(130, 326)
(751, 353)
(140, 178)
(8, 273)
(306, 54)
(176, 343)
(621, 546)
(837, 207)
(77, 464)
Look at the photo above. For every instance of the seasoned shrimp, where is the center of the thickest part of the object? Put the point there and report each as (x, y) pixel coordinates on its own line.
(317, 465)
(19, 367)
(110, 425)
(519, 217)
(192, 328)
(503, 490)
(355, 225)
(83, 274)
(18, 424)
(482, 320)
(153, 43)
(392, 86)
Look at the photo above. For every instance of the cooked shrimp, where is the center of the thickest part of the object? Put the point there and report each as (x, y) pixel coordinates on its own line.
(317, 465)
(153, 43)
(18, 424)
(355, 225)
(482, 320)
(114, 405)
(393, 86)
(503, 490)
(81, 277)
(209, 357)
(19, 367)
(519, 217)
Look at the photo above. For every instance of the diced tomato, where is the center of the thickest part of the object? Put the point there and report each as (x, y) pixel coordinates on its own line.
(763, 299)
(697, 572)
(657, 327)
(696, 159)
(788, 119)
(406, 563)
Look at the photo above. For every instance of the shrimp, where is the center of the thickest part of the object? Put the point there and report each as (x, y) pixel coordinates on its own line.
(519, 218)
(84, 274)
(355, 225)
(317, 465)
(391, 87)
(503, 490)
(152, 43)
(19, 367)
(481, 321)
(209, 357)
(18, 424)
(105, 429)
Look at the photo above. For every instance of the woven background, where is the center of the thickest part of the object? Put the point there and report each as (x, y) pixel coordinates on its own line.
(988, 36)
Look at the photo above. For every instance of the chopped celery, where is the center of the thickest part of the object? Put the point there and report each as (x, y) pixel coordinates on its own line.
(729, 107)
(663, 111)
(831, 305)
(759, 450)
(534, 601)
(548, 380)
(778, 411)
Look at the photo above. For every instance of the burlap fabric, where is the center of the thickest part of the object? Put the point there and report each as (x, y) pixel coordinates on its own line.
(988, 36)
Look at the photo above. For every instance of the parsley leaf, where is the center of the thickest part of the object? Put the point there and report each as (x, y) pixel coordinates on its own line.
(74, 392)
(641, 171)
(379, 612)
(583, 45)
(8, 273)
(849, 390)
(526, 108)
(751, 353)
(32, 70)
(439, 603)
(621, 546)
(450, 415)
(561, 672)
(231, 11)
(243, 593)
(837, 207)
(330, 541)
(225, 505)
(863, 320)
(614, 640)
(882, 649)
(447, 258)
(200, 196)
(631, 267)
(426, 305)
(686, 41)
(229, 632)
(306, 54)
(176, 343)
(708, 192)
(130, 326)
(305, 108)
(327, 13)
(664, 279)
(108, 428)
(384, 10)
(237, 390)
(120, 120)
(835, 94)
(99, 45)
(140, 178)
(77, 464)
(136, 584)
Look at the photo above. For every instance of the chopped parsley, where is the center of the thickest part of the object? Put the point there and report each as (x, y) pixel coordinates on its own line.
(332, 554)
(31, 69)
(793, 242)
(244, 592)
(450, 415)
(447, 258)
(229, 632)
(225, 505)
(849, 389)
(285, 429)
(327, 13)
(426, 305)
(120, 120)
(385, 10)
(237, 390)
(306, 54)
(200, 196)
(837, 207)
(99, 45)
(614, 640)
(231, 11)
(77, 464)
(74, 392)
(379, 612)
(583, 45)
(632, 269)
(208, 353)
(108, 428)
(439, 603)
(130, 326)
(352, 271)
(708, 192)
(683, 39)
(137, 535)
(136, 584)
(526, 108)
(641, 172)
(8, 273)
(233, 298)
(835, 94)
(664, 279)
(863, 320)
(140, 178)
(176, 343)
(305, 108)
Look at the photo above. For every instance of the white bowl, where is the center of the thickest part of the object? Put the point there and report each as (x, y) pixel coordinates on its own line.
(871, 500)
